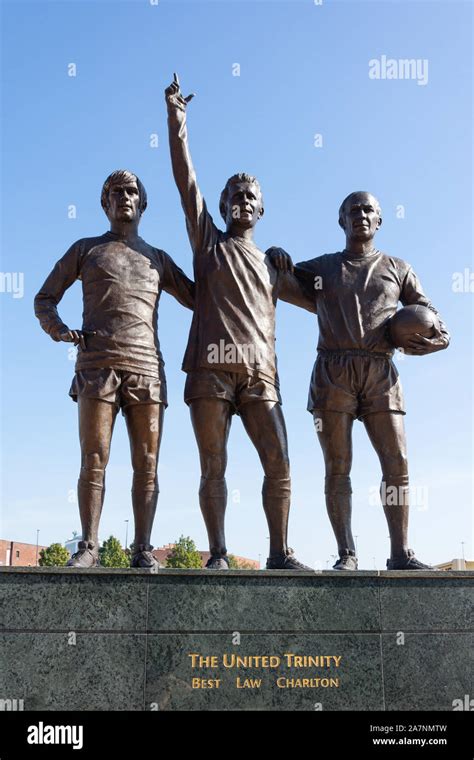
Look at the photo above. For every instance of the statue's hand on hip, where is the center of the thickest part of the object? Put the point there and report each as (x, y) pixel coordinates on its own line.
(78, 337)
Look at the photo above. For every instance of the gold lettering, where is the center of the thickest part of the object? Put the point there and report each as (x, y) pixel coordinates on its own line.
(206, 683)
(198, 661)
(248, 683)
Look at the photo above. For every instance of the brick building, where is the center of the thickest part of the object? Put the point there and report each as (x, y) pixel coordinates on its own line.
(18, 554)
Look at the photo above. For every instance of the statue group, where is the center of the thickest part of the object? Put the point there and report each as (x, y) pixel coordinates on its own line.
(230, 356)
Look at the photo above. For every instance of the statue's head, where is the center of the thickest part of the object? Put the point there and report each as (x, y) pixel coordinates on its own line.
(241, 202)
(123, 197)
(360, 216)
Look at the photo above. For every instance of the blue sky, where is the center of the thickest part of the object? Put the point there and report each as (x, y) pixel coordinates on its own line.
(304, 70)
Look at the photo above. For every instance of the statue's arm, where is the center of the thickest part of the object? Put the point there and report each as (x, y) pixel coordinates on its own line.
(198, 220)
(63, 275)
(296, 291)
(411, 294)
(295, 282)
(176, 283)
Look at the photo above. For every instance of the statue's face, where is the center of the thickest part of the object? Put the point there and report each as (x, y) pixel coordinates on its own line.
(124, 202)
(361, 218)
(244, 204)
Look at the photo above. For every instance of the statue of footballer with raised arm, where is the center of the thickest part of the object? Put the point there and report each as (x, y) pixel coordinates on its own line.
(230, 358)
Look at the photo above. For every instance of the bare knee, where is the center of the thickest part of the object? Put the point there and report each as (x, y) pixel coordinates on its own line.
(94, 460)
(339, 465)
(394, 465)
(276, 465)
(213, 465)
(144, 461)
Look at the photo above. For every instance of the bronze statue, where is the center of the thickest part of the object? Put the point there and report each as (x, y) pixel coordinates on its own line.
(119, 362)
(355, 292)
(230, 358)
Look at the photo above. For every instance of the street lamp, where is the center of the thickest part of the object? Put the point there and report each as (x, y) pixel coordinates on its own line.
(126, 534)
(37, 543)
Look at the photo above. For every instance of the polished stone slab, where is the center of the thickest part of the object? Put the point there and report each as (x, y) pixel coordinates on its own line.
(428, 671)
(175, 680)
(429, 604)
(97, 672)
(72, 601)
(263, 602)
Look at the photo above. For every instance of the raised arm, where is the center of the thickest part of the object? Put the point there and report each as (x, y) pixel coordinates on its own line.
(412, 293)
(198, 220)
(65, 272)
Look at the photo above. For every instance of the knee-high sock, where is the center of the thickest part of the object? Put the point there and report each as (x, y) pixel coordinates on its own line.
(338, 492)
(90, 495)
(276, 497)
(394, 493)
(144, 500)
(213, 502)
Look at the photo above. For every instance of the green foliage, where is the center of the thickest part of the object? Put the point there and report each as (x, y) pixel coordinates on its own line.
(239, 564)
(184, 554)
(55, 555)
(111, 554)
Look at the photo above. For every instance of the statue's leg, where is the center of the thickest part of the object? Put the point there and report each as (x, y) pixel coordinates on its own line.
(265, 426)
(264, 422)
(145, 427)
(386, 431)
(211, 420)
(96, 423)
(334, 431)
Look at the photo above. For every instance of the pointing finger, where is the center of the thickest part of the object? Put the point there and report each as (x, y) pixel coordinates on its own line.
(176, 79)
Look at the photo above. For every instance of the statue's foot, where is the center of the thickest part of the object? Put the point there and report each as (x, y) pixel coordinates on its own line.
(407, 561)
(217, 562)
(347, 561)
(286, 561)
(142, 557)
(86, 555)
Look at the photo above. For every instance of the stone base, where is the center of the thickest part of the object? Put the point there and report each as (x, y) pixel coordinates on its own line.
(104, 639)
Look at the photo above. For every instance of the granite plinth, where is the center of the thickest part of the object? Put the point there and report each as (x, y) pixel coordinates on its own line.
(104, 639)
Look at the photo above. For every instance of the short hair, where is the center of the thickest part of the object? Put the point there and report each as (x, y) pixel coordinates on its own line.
(123, 175)
(351, 195)
(241, 177)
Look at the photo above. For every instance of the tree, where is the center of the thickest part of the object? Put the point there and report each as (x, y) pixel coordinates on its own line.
(111, 554)
(55, 555)
(184, 554)
(239, 564)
